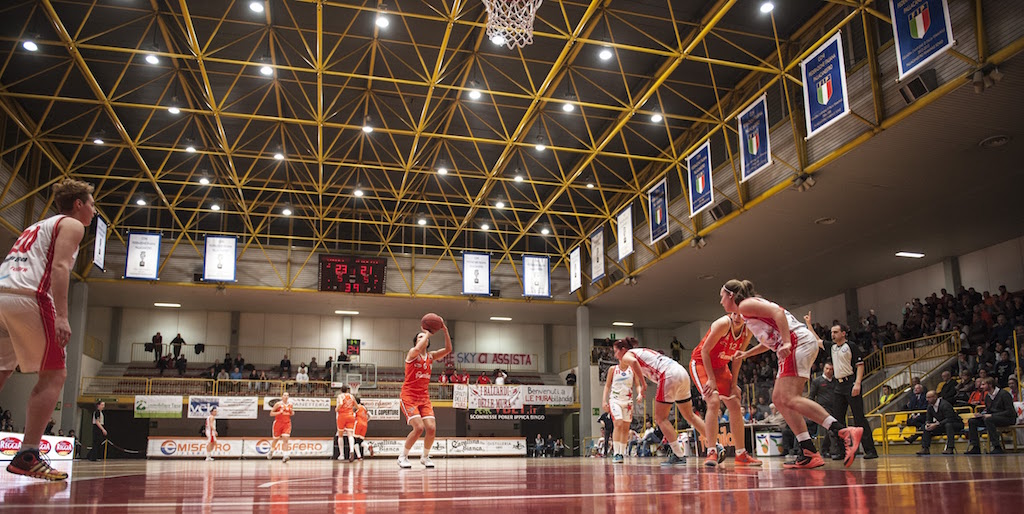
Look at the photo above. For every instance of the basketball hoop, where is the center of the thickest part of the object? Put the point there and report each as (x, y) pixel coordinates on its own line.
(510, 22)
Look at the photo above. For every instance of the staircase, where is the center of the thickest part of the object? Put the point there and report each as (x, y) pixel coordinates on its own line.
(113, 370)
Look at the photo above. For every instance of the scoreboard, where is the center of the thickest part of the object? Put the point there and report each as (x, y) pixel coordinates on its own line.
(351, 274)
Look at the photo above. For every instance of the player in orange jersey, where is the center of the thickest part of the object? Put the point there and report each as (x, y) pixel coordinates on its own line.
(282, 413)
(415, 395)
(709, 367)
(346, 423)
(362, 420)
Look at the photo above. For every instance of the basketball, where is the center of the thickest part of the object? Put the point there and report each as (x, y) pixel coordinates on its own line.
(431, 322)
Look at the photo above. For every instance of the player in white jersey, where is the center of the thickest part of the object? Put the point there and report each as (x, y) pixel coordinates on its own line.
(211, 432)
(618, 403)
(34, 326)
(673, 388)
(796, 347)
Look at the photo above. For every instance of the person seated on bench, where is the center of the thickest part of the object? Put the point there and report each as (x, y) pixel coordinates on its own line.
(999, 412)
(941, 418)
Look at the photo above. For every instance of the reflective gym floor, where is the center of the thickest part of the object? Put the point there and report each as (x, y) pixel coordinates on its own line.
(933, 485)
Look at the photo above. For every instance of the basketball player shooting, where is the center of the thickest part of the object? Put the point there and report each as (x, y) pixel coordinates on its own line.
(415, 395)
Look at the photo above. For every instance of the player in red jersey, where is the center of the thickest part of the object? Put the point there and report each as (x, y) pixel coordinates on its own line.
(416, 395)
(726, 336)
(346, 423)
(211, 432)
(362, 421)
(34, 327)
(282, 413)
(796, 347)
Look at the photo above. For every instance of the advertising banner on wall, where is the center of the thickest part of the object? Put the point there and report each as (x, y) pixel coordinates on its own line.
(548, 395)
(163, 447)
(460, 396)
(825, 95)
(383, 408)
(527, 413)
(297, 447)
(51, 447)
(157, 406)
(495, 397)
(922, 31)
(228, 407)
(299, 403)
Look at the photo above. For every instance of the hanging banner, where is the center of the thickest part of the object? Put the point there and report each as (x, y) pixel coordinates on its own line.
(228, 407)
(657, 205)
(143, 259)
(698, 178)
(476, 274)
(219, 259)
(824, 77)
(922, 31)
(597, 255)
(549, 395)
(536, 277)
(99, 246)
(383, 409)
(755, 145)
(575, 277)
(495, 397)
(153, 406)
(299, 403)
(460, 396)
(624, 226)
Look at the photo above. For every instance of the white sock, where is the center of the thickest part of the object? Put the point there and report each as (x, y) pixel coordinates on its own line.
(405, 453)
(676, 448)
(359, 450)
(617, 448)
(351, 445)
(803, 436)
(828, 422)
(740, 451)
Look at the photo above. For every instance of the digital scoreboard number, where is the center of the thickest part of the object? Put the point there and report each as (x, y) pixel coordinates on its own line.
(350, 274)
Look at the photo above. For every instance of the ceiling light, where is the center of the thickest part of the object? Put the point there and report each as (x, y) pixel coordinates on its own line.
(97, 141)
(256, 6)
(707, 276)
(278, 156)
(382, 21)
(173, 109)
(622, 323)
(347, 313)
(911, 255)
(500, 204)
(605, 54)
(545, 231)
(421, 221)
(140, 201)
(656, 118)
(498, 39)
(204, 181)
(500, 318)
(994, 141)
(164, 304)
(215, 207)
(30, 45)
(485, 227)
(827, 220)
(152, 59)
(358, 193)
(266, 70)
(190, 149)
(474, 94)
(540, 147)
(518, 178)
(286, 211)
(590, 185)
(441, 170)
(568, 107)
(367, 128)
(767, 7)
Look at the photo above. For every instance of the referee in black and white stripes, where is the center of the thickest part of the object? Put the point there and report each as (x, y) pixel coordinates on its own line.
(849, 369)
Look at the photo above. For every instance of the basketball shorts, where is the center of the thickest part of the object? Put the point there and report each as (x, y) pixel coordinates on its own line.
(621, 411)
(417, 408)
(211, 438)
(28, 334)
(282, 428)
(360, 429)
(347, 423)
(673, 386)
(799, 361)
(723, 378)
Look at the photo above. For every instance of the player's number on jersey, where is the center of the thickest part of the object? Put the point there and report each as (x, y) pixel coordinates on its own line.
(25, 241)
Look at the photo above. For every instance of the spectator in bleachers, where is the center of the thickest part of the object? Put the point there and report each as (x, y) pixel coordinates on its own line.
(1013, 388)
(252, 378)
(886, 396)
(570, 378)
(239, 362)
(177, 342)
(978, 395)
(963, 389)
(999, 412)
(285, 367)
(917, 401)
(223, 375)
(166, 363)
(947, 387)
(940, 418)
(538, 446)
(499, 377)
(264, 381)
(763, 408)
(482, 379)
(302, 378)
(181, 364)
(962, 364)
(1002, 331)
(1004, 368)
(209, 373)
(229, 363)
(465, 377)
(236, 374)
(158, 347)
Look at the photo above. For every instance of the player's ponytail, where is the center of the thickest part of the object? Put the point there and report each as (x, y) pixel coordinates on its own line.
(740, 289)
(626, 343)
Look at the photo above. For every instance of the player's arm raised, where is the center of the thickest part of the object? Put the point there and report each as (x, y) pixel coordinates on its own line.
(440, 354)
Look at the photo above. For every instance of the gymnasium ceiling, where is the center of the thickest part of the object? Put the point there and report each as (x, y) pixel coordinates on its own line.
(294, 138)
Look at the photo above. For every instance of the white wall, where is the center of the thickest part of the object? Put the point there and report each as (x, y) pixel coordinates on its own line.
(824, 311)
(888, 296)
(989, 268)
(139, 325)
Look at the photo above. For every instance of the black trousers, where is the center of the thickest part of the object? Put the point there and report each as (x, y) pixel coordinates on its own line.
(177, 350)
(951, 428)
(97, 443)
(844, 400)
(991, 425)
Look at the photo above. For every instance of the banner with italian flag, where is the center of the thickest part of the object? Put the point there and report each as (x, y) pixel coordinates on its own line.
(657, 206)
(824, 77)
(755, 142)
(698, 171)
(922, 32)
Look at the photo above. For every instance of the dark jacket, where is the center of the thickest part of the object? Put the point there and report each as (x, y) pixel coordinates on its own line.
(945, 414)
(1001, 406)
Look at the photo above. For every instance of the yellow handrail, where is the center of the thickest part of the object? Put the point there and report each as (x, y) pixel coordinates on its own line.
(950, 345)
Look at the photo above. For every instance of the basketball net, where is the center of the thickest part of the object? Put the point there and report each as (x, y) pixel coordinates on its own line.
(510, 22)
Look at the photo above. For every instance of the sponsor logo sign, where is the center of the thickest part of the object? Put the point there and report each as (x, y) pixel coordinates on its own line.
(51, 447)
(527, 413)
(383, 409)
(228, 407)
(495, 397)
(150, 406)
(300, 404)
(548, 395)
